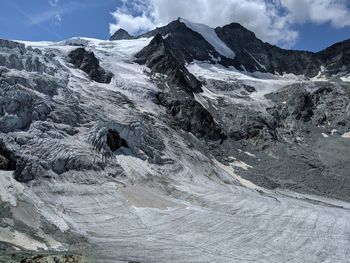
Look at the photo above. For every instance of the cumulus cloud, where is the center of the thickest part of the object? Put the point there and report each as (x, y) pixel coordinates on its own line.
(335, 12)
(272, 20)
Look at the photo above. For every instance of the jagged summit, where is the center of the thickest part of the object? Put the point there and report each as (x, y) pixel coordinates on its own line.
(121, 34)
(234, 45)
(160, 58)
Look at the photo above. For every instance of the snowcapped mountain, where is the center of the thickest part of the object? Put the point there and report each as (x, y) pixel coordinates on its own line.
(185, 144)
(234, 45)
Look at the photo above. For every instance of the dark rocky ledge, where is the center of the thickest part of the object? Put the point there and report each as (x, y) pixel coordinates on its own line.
(87, 62)
(159, 57)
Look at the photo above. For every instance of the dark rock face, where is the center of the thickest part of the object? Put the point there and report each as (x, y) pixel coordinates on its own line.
(121, 34)
(326, 105)
(247, 127)
(88, 63)
(187, 45)
(160, 58)
(298, 105)
(192, 117)
(256, 55)
(114, 141)
(337, 57)
(187, 113)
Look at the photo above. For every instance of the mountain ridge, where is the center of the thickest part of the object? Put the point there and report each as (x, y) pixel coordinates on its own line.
(252, 54)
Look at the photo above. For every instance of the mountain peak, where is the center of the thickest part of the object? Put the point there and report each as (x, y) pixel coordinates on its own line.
(121, 34)
(211, 37)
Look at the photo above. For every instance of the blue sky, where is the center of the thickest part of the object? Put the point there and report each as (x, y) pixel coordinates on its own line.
(38, 20)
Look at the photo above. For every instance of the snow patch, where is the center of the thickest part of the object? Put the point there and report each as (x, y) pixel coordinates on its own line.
(256, 61)
(346, 135)
(241, 164)
(211, 37)
(250, 154)
(19, 239)
(231, 171)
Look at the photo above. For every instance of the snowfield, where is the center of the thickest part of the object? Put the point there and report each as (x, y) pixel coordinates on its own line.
(211, 37)
(161, 200)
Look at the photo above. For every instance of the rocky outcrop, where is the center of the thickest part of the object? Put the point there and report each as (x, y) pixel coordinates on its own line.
(255, 55)
(179, 85)
(160, 58)
(336, 58)
(188, 45)
(121, 34)
(298, 104)
(325, 105)
(191, 116)
(55, 259)
(252, 126)
(87, 62)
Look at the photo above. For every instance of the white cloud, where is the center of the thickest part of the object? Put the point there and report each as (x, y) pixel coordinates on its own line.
(271, 20)
(134, 24)
(53, 3)
(335, 12)
(57, 20)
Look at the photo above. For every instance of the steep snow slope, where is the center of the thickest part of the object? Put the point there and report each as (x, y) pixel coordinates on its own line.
(210, 35)
(163, 199)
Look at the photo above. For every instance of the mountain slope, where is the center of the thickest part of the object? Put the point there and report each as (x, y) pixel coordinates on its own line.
(179, 157)
(255, 55)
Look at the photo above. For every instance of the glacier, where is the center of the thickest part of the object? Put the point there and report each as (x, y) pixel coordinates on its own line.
(161, 199)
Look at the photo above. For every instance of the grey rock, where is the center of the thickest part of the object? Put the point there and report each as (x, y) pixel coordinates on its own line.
(192, 117)
(187, 44)
(12, 45)
(88, 63)
(160, 58)
(121, 34)
(256, 55)
(55, 259)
